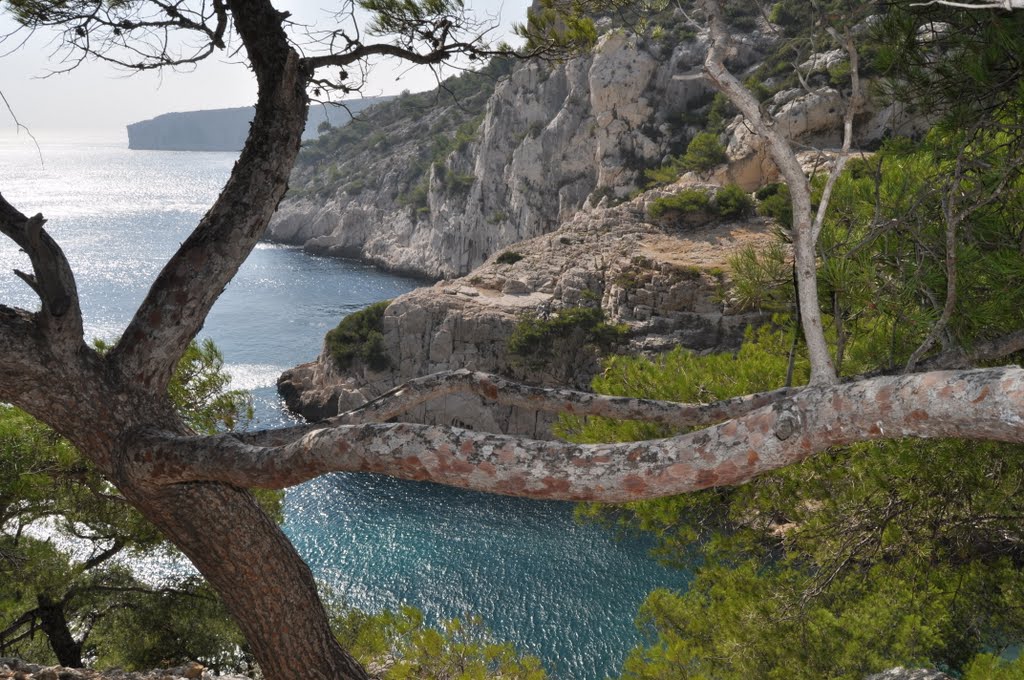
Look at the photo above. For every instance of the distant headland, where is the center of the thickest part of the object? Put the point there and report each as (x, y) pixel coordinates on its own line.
(226, 129)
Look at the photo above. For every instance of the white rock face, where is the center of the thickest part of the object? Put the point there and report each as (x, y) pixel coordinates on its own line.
(814, 118)
(552, 138)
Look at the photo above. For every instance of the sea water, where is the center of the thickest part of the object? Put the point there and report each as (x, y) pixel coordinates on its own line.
(563, 591)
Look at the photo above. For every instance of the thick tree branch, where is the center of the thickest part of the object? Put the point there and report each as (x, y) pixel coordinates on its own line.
(980, 404)
(182, 295)
(822, 370)
(23, 372)
(511, 393)
(52, 279)
(505, 392)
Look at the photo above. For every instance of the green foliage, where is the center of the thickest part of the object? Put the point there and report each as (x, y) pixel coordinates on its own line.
(703, 153)
(358, 336)
(665, 174)
(396, 17)
(883, 269)
(559, 340)
(559, 24)
(774, 202)
(728, 202)
(680, 375)
(185, 623)
(733, 202)
(762, 279)
(681, 203)
(788, 13)
(848, 565)
(868, 557)
(48, 490)
(199, 390)
(840, 75)
(409, 650)
(971, 74)
(992, 667)
(509, 257)
(722, 111)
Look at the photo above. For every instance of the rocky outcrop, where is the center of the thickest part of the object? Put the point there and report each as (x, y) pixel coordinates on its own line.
(663, 281)
(552, 140)
(901, 673)
(15, 669)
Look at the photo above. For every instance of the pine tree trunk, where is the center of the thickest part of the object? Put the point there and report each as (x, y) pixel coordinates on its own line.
(264, 583)
(54, 624)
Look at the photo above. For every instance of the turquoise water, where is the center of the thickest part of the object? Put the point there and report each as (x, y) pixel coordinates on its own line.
(565, 592)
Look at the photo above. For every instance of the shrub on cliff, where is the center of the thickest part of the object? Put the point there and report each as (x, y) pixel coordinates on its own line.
(774, 202)
(732, 202)
(681, 203)
(727, 203)
(565, 342)
(703, 153)
(359, 336)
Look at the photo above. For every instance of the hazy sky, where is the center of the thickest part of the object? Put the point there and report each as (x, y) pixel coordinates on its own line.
(96, 99)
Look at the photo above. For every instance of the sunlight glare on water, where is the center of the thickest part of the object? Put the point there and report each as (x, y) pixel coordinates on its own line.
(565, 592)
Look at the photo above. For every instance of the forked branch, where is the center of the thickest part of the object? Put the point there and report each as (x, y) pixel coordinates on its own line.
(51, 278)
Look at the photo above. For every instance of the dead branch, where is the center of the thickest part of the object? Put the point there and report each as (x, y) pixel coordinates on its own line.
(822, 370)
(52, 279)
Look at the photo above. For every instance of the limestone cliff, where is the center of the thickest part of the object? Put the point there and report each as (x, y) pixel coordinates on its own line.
(548, 139)
(435, 185)
(663, 280)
